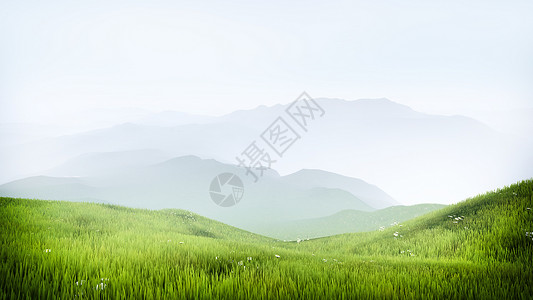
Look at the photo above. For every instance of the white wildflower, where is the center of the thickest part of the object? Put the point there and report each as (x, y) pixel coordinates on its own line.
(102, 285)
(277, 256)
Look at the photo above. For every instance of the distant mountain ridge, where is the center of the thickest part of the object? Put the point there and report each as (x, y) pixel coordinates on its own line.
(370, 194)
(378, 140)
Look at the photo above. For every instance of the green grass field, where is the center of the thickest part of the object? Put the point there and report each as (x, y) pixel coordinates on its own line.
(480, 248)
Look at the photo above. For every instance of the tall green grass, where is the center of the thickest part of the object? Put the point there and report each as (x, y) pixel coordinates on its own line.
(52, 249)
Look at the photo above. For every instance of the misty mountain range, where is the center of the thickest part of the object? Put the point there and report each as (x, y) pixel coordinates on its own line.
(168, 160)
(378, 140)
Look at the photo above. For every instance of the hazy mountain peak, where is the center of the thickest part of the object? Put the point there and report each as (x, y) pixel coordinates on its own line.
(369, 193)
(185, 158)
(125, 126)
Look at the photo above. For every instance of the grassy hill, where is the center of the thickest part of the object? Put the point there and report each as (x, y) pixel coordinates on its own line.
(479, 248)
(346, 221)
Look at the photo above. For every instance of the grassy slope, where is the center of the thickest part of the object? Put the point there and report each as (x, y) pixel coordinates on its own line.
(346, 221)
(175, 254)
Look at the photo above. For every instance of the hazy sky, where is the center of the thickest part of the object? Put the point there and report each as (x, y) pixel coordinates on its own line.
(215, 57)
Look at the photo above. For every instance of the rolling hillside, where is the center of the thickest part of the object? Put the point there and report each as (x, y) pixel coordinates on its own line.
(347, 221)
(480, 248)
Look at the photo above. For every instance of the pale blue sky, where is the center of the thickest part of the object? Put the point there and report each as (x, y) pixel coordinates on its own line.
(215, 57)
